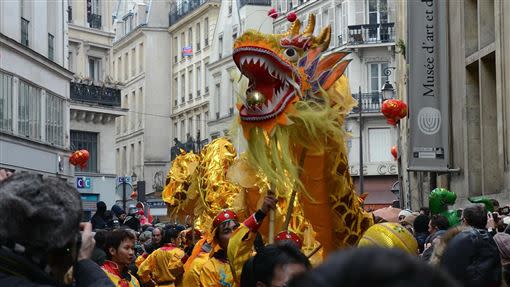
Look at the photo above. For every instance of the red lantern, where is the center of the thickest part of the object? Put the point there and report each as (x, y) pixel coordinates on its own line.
(272, 13)
(394, 152)
(79, 158)
(291, 17)
(394, 110)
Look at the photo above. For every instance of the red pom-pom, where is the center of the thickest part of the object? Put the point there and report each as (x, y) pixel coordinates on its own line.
(291, 17)
(272, 13)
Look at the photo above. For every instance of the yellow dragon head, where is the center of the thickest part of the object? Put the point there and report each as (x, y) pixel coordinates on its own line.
(283, 69)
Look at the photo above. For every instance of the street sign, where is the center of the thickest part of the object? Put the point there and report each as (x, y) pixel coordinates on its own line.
(82, 182)
(123, 179)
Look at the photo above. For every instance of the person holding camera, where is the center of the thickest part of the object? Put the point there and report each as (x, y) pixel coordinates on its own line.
(41, 236)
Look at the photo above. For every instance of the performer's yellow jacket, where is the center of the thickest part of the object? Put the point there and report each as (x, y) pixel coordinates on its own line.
(163, 266)
(120, 279)
(223, 271)
(192, 275)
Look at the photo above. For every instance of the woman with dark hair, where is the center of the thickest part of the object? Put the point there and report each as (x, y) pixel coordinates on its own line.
(119, 247)
(274, 265)
(373, 266)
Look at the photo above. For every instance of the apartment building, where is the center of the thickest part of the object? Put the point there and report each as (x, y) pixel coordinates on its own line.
(141, 51)
(192, 26)
(34, 88)
(366, 29)
(95, 100)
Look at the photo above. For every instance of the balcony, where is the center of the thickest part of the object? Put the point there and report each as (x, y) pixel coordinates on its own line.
(184, 8)
(255, 3)
(94, 21)
(95, 94)
(370, 102)
(371, 33)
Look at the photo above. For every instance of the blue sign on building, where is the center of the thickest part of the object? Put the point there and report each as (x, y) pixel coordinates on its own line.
(83, 182)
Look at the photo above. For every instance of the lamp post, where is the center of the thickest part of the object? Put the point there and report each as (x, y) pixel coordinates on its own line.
(388, 92)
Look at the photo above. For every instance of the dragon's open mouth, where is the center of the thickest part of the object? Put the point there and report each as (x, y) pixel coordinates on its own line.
(272, 83)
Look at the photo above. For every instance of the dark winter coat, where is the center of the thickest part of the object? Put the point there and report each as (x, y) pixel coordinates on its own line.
(472, 257)
(421, 238)
(98, 221)
(15, 270)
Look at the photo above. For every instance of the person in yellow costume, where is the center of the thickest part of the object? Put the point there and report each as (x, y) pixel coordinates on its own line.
(120, 251)
(217, 272)
(164, 266)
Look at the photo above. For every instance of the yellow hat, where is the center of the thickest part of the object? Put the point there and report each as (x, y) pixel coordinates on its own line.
(390, 235)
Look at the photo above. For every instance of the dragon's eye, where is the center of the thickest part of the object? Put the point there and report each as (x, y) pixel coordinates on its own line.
(291, 54)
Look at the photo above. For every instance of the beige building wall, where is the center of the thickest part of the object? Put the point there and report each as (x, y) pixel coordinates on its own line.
(478, 75)
(140, 61)
(191, 89)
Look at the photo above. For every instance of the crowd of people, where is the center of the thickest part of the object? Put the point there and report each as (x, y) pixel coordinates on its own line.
(43, 243)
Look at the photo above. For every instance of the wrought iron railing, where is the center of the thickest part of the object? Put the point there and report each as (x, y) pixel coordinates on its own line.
(95, 94)
(370, 102)
(371, 33)
(94, 21)
(255, 2)
(185, 7)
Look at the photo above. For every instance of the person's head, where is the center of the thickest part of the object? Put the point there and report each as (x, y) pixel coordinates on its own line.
(157, 235)
(403, 213)
(41, 218)
(224, 224)
(120, 246)
(169, 235)
(502, 240)
(425, 211)
(275, 265)
(373, 267)
(438, 222)
(289, 236)
(145, 236)
(119, 212)
(495, 204)
(421, 224)
(475, 216)
(100, 207)
(100, 238)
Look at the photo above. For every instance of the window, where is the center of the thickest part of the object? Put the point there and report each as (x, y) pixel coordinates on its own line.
(379, 143)
(54, 119)
(190, 127)
(94, 69)
(5, 102)
(197, 33)
(183, 43)
(51, 46)
(140, 58)
(175, 96)
(218, 100)
(132, 110)
(341, 22)
(140, 107)
(199, 127)
(119, 69)
(126, 66)
(24, 31)
(206, 32)
(183, 88)
(183, 131)
(230, 8)
(206, 79)
(199, 80)
(376, 76)
(140, 151)
(88, 141)
(377, 13)
(190, 37)
(132, 158)
(124, 160)
(220, 46)
(29, 111)
(133, 62)
(190, 84)
(175, 131)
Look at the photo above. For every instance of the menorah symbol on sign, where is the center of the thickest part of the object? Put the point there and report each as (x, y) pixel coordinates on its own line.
(429, 120)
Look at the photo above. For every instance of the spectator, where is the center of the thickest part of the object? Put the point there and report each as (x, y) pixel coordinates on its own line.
(41, 254)
(119, 247)
(371, 266)
(438, 225)
(403, 213)
(472, 256)
(99, 220)
(425, 211)
(119, 213)
(99, 255)
(274, 265)
(421, 230)
(503, 242)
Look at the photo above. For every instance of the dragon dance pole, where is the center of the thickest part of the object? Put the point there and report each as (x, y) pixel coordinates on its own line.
(271, 220)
